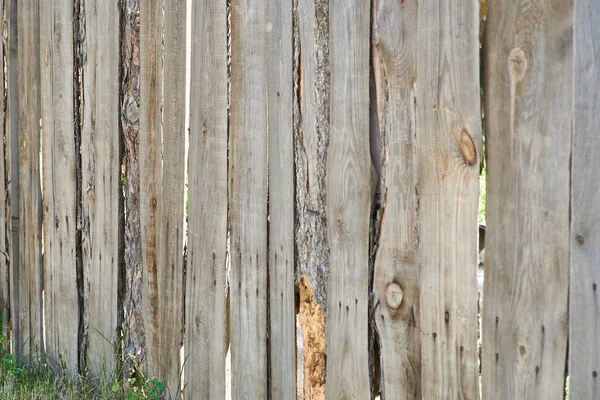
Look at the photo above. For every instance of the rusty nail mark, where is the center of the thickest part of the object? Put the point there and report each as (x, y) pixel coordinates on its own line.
(517, 63)
(393, 295)
(467, 148)
(580, 240)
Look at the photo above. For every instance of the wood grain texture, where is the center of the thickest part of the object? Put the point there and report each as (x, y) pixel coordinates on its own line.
(584, 320)
(59, 186)
(397, 258)
(528, 113)
(206, 279)
(248, 195)
(449, 150)
(101, 182)
(4, 187)
(162, 147)
(348, 202)
(282, 321)
(28, 315)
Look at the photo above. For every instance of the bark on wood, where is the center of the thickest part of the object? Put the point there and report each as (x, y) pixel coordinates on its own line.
(528, 89)
(348, 203)
(59, 183)
(584, 322)
(206, 280)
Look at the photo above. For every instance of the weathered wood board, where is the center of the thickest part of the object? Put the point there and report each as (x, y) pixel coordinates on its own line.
(448, 128)
(396, 283)
(59, 182)
(584, 314)
(248, 195)
(348, 202)
(528, 113)
(101, 182)
(162, 146)
(4, 187)
(28, 270)
(206, 279)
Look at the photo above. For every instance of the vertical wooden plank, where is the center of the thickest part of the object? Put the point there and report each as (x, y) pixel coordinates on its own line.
(584, 320)
(4, 190)
(528, 113)
(449, 151)
(101, 183)
(206, 281)
(348, 202)
(396, 277)
(59, 186)
(282, 321)
(161, 183)
(28, 339)
(248, 194)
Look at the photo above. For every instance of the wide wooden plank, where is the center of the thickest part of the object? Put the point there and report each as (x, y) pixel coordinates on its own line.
(348, 202)
(584, 320)
(528, 113)
(101, 182)
(396, 276)
(28, 296)
(282, 318)
(248, 193)
(206, 280)
(59, 186)
(449, 151)
(162, 147)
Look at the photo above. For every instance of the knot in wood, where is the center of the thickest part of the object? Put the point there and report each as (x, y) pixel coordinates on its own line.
(517, 63)
(467, 148)
(393, 295)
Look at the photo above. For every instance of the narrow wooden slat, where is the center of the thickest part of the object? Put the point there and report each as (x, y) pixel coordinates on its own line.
(59, 186)
(205, 334)
(396, 277)
(4, 189)
(528, 113)
(449, 150)
(248, 194)
(348, 202)
(101, 181)
(162, 183)
(28, 337)
(282, 321)
(584, 320)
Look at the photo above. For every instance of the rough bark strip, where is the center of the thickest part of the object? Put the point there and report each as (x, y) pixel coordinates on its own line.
(206, 279)
(162, 183)
(29, 342)
(396, 277)
(349, 203)
(448, 122)
(59, 161)
(248, 200)
(584, 323)
(101, 187)
(4, 185)
(133, 323)
(282, 322)
(528, 114)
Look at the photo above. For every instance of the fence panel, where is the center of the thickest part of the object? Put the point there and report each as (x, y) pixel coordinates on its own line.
(162, 183)
(206, 276)
(59, 183)
(348, 203)
(528, 90)
(584, 323)
(101, 182)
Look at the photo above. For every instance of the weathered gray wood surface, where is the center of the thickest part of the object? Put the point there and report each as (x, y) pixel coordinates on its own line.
(528, 113)
(162, 147)
(101, 182)
(397, 312)
(282, 321)
(59, 186)
(449, 151)
(348, 202)
(584, 323)
(28, 295)
(248, 194)
(4, 186)
(206, 279)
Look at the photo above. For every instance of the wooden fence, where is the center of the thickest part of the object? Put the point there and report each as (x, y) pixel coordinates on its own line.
(295, 183)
